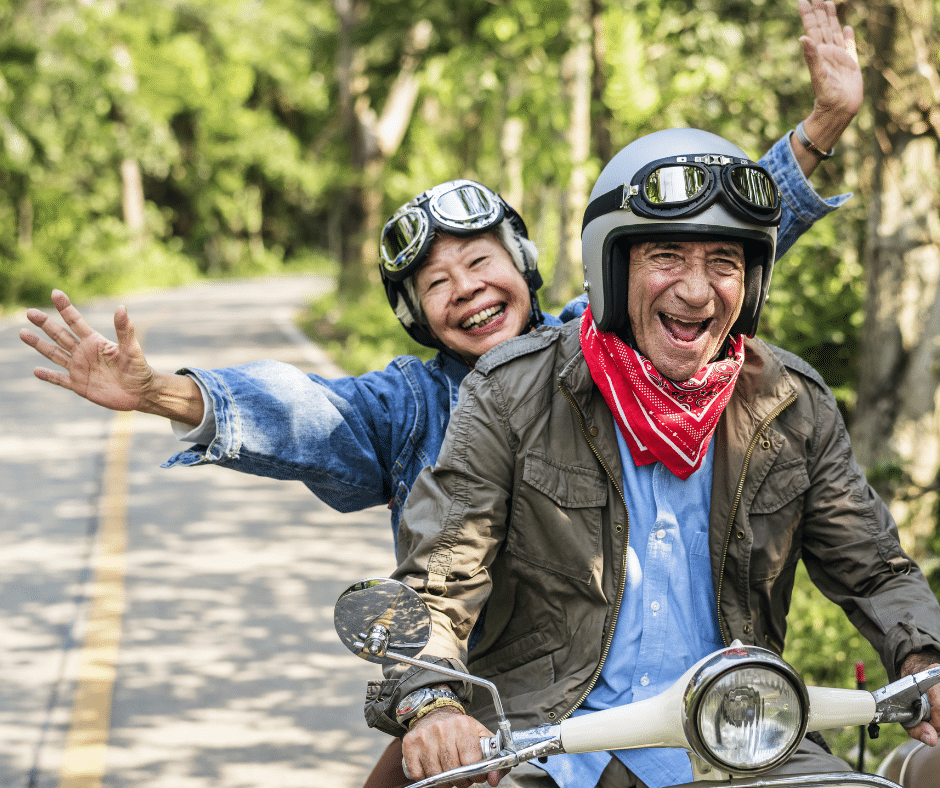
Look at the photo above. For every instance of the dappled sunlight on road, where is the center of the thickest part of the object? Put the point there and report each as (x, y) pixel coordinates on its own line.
(228, 672)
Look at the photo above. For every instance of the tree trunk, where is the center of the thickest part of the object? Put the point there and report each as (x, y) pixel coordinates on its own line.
(132, 199)
(511, 149)
(25, 221)
(372, 140)
(576, 73)
(601, 116)
(896, 428)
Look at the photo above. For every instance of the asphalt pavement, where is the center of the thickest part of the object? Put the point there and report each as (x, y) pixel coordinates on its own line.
(172, 628)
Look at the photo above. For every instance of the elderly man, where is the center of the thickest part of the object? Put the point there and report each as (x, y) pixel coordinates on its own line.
(618, 497)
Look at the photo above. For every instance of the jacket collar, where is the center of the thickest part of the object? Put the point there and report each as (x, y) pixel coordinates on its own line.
(764, 383)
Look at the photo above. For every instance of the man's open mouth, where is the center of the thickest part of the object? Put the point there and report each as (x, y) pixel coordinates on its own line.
(684, 330)
(483, 318)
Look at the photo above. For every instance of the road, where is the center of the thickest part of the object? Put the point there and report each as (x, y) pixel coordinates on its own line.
(172, 628)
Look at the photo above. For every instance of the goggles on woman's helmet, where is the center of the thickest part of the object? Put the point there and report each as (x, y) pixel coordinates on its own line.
(686, 185)
(457, 207)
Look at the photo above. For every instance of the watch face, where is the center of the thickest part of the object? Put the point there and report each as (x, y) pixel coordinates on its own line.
(409, 704)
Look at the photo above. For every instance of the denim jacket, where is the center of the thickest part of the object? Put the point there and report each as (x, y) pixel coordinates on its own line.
(356, 442)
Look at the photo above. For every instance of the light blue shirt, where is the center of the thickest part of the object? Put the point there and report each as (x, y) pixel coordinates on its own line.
(668, 619)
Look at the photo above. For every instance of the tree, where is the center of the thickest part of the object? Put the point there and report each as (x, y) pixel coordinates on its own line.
(372, 137)
(576, 72)
(896, 428)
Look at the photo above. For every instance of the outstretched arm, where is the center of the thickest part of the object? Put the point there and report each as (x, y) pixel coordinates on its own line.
(113, 375)
(829, 51)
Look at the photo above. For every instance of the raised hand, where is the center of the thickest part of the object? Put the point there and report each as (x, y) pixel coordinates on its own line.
(835, 75)
(113, 375)
(832, 59)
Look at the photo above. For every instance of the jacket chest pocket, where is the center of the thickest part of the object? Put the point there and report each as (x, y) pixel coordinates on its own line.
(557, 511)
(774, 517)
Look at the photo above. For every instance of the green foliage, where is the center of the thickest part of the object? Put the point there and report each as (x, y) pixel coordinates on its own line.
(815, 305)
(362, 335)
(824, 646)
(217, 104)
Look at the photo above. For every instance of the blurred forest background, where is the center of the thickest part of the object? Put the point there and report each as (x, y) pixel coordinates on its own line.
(152, 142)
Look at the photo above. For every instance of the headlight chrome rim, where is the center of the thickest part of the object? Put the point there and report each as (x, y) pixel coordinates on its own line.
(720, 666)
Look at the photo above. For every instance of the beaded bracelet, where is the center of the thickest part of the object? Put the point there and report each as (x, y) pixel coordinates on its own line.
(440, 703)
(807, 143)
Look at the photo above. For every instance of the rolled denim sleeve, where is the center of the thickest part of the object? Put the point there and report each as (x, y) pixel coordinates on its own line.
(335, 436)
(802, 206)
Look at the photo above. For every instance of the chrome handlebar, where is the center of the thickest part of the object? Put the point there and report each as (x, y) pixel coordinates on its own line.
(905, 700)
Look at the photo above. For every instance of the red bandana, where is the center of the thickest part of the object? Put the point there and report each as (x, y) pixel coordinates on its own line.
(660, 419)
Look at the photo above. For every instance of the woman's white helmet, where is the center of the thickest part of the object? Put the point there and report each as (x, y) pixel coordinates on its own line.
(690, 185)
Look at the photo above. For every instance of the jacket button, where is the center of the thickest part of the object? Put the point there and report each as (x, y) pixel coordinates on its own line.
(740, 534)
(747, 629)
(551, 715)
(765, 443)
(594, 432)
(619, 528)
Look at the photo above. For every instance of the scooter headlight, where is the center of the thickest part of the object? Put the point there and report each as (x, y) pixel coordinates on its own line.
(745, 710)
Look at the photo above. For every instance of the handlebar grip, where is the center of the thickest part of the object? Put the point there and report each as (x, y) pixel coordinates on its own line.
(489, 746)
(920, 713)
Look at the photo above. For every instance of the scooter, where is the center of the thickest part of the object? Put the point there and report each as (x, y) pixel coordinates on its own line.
(739, 712)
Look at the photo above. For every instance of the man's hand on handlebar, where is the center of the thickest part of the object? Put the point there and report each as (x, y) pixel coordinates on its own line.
(926, 731)
(442, 740)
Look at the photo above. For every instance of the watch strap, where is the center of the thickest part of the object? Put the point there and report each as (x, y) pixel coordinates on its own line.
(440, 703)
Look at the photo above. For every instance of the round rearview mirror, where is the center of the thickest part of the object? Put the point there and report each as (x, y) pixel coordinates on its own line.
(379, 618)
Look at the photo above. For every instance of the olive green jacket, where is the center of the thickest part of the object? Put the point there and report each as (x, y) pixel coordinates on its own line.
(523, 518)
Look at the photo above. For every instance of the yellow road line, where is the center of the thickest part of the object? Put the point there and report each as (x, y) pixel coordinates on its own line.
(83, 759)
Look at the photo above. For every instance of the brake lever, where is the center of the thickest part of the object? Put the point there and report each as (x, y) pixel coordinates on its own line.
(905, 700)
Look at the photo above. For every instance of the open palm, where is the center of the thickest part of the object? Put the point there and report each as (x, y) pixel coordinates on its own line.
(114, 375)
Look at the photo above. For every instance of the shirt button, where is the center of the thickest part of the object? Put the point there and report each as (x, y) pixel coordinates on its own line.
(661, 533)
(645, 680)
(654, 606)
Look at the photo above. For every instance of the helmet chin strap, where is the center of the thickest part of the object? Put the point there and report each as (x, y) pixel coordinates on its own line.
(535, 314)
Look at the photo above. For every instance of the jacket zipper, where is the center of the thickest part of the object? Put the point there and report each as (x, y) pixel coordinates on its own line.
(737, 500)
(623, 567)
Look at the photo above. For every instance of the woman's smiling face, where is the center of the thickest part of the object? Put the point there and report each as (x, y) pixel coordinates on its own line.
(472, 294)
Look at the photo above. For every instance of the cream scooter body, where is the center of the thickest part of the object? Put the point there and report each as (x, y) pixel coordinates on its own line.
(739, 712)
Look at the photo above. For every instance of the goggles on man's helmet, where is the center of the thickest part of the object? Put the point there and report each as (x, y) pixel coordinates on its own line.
(686, 185)
(457, 207)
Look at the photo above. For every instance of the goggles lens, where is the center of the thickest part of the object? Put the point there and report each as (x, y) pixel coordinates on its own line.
(402, 238)
(754, 186)
(674, 185)
(465, 207)
(455, 207)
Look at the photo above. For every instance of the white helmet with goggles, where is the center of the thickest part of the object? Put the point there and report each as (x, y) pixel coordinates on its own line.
(460, 208)
(687, 184)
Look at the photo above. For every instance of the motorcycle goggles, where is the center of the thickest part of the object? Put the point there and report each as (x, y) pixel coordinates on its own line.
(457, 207)
(681, 186)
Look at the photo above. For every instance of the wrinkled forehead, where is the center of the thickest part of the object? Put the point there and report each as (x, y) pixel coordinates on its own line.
(717, 245)
(447, 249)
